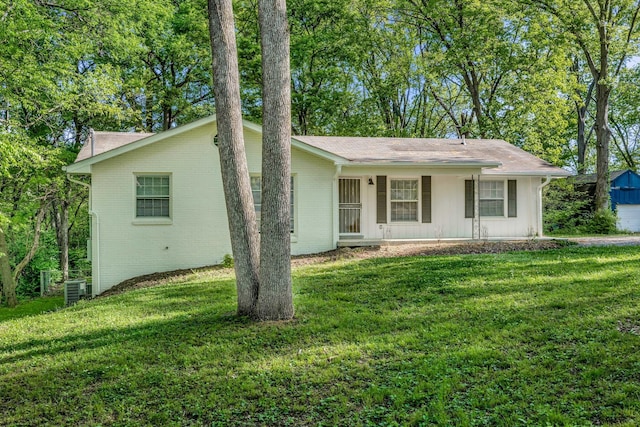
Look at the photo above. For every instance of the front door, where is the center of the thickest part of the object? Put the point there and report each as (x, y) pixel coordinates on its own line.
(350, 206)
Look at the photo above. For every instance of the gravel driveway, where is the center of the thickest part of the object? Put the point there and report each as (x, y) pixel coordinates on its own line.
(607, 241)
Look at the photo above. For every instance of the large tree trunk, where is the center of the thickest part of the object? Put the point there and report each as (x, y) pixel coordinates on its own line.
(603, 136)
(603, 133)
(233, 161)
(275, 300)
(8, 284)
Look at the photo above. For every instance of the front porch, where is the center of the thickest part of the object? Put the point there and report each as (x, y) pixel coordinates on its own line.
(352, 243)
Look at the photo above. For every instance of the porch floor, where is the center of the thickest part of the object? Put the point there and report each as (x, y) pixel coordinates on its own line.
(342, 243)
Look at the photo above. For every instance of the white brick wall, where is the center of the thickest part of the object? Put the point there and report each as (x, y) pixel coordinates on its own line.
(197, 234)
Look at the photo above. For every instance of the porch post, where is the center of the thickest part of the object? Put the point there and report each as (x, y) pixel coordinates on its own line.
(540, 224)
(334, 206)
(476, 210)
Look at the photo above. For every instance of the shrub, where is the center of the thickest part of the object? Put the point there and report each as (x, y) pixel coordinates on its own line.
(601, 222)
(227, 261)
(566, 210)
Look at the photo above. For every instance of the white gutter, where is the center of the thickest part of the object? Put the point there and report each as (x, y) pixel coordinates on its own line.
(335, 206)
(433, 164)
(540, 187)
(95, 255)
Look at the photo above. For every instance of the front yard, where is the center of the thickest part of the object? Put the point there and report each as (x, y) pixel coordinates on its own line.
(526, 338)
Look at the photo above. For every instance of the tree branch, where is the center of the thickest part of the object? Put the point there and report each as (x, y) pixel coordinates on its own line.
(36, 242)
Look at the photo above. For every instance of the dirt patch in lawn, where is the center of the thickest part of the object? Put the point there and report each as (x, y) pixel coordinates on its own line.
(385, 251)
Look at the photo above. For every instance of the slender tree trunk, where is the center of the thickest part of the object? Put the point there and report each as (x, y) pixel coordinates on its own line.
(8, 284)
(60, 209)
(582, 120)
(17, 271)
(581, 141)
(275, 300)
(233, 160)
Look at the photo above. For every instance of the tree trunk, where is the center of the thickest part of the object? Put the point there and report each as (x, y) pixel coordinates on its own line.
(603, 133)
(582, 120)
(8, 284)
(581, 141)
(233, 160)
(275, 300)
(60, 209)
(603, 136)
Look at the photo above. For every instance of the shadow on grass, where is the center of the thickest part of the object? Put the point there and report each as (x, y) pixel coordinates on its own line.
(446, 340)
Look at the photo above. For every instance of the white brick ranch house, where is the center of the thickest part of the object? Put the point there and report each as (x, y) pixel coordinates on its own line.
(157, 203)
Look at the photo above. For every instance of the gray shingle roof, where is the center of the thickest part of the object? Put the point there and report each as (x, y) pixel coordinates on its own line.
(107, 141)
(487, 153)
(362, 150)
(591, 178)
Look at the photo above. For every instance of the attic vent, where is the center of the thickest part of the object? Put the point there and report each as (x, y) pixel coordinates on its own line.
(73, 291)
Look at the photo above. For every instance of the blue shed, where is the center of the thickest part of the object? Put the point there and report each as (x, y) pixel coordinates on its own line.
(625, 196)
(625, 188)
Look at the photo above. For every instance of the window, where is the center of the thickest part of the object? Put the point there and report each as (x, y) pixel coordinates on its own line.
(256, 190)
(404, 200)
(491, 198)
(152, 196)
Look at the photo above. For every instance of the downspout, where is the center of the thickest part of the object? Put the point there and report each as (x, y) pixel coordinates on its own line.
(95, 255)
(540, 187)
(335, 206)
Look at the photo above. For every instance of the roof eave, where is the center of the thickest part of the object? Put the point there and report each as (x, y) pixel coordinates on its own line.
(296, 143)
(80, 168)
(553, 174)
(437, 164)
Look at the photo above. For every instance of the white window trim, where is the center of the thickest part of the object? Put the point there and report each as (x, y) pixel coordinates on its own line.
(418, 200)
(504, 200)
(152, 220)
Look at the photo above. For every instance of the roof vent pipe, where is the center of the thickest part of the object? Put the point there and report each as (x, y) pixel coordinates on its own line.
(92, 136)
(464, 141)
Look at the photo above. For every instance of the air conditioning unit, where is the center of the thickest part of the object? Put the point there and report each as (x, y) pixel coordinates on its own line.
(73, 291)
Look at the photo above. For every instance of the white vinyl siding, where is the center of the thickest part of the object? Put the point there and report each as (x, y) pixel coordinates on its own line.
(491, 198)
(404, 200)
(256, 191)
(152, 196)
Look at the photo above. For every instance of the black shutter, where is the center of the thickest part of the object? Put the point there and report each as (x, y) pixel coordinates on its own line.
(381, 199)
(512, 198)
(426, 199)
(468, 198)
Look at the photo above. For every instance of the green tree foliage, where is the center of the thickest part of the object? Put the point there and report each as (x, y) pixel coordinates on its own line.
(625, 120)
(606, 33)
(538, 73)
(492, 70)
(24, 198)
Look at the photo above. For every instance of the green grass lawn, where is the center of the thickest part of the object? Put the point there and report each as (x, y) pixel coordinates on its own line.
(31, 307)
(539, 338)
